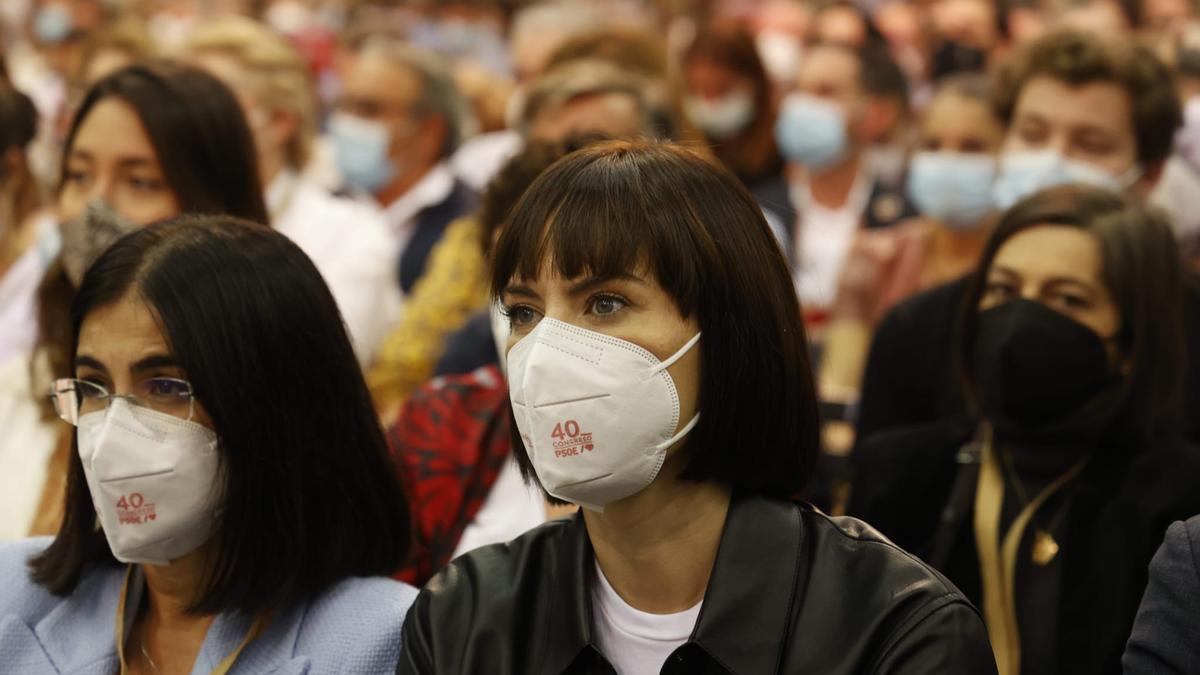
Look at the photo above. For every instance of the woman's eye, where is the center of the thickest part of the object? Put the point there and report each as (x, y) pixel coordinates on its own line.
(996, 289)
(521, 315)
(1073, 302)
(605, 305)
(70, 176)
(165, 389)
(145, 184)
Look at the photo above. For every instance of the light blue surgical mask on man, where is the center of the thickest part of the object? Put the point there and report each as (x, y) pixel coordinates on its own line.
(52, 24)
(954, 188)
(1024, 172)
(811, 131)
(361, 146)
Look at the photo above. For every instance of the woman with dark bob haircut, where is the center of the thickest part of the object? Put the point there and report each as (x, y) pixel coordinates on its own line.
(228, 482)
(1047, 505)
(659, 378)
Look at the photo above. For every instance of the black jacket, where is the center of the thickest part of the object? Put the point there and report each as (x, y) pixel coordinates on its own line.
(792, 591)
(1121, 506)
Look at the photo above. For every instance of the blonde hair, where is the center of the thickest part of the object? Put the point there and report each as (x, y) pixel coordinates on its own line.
(274, 73)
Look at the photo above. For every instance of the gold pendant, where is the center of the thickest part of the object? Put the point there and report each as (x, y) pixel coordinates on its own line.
(1044, 548)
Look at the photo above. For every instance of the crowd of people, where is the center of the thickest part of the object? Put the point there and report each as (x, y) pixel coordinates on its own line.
(599, 336)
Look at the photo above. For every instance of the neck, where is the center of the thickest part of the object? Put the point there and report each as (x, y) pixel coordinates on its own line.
(831, 186)
(170, 635)
(657, 548)
(270, 166)
(402, 184)
(956, 252)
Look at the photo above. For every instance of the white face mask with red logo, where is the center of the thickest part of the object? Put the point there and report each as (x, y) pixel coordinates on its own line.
(597, 414)
(153, 479)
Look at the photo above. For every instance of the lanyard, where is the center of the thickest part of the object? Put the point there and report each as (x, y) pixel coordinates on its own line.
(998, 562)
(222, 668)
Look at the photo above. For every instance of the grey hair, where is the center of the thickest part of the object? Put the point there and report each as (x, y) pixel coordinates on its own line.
(439, 94)
(564, 18)
(591, 77)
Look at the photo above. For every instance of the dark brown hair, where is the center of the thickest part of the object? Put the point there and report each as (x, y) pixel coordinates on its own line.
(1077, 58)
(1142, 270)
(752, 154)
(624, 206)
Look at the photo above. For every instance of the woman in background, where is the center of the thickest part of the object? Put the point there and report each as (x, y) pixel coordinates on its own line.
(1047, 507)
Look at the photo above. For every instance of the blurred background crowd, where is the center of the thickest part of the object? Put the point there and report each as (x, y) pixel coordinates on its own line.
(390, 140)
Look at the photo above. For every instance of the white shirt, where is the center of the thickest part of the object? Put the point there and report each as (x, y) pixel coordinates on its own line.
(633, 641)
(481, 157)
(822, 241)
(401, 215)
(511, 509)
(18, 292)
(349, 244)
(26, 443)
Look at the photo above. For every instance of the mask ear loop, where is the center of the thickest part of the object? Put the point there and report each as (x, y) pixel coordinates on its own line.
(687, 347)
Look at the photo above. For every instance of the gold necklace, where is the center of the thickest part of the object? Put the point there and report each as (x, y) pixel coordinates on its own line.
(1045, 547)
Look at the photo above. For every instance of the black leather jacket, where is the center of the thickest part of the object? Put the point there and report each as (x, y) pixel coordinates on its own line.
(792, 591)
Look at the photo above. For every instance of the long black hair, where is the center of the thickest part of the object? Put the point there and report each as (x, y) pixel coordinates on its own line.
(310, 496)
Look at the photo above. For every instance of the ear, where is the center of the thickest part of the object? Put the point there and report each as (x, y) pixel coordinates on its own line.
(281, 127)
(430, 138)
(1151, 174)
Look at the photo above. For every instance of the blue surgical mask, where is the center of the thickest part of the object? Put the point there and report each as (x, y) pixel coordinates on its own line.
(811, 131)
(52, 24)
(954, 188)
(1024, 172)
(362, 147)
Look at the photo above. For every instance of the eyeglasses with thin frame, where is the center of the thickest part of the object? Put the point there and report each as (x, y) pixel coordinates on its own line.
(73, 398)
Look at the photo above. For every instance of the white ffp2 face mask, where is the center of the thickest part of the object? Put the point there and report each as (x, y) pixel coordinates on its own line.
(596, 414)
(153, 479)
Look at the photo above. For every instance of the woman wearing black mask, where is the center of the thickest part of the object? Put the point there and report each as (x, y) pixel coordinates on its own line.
(1046, 509)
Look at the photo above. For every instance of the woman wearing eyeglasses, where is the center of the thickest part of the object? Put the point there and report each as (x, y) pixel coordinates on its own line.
(229, 487)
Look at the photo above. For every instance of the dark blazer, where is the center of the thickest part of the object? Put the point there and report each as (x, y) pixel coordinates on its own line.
(1121, 505)
(792, 591)
(910, 378)
(431, 225)
(1166, 635)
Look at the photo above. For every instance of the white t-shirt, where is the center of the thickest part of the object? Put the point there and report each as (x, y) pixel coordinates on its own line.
(511, 509)
(823, 240)
(633, 641)
(351, 247)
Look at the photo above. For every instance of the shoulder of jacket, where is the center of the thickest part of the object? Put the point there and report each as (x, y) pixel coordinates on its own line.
(495, 571)
(876, 558)
(355, 626)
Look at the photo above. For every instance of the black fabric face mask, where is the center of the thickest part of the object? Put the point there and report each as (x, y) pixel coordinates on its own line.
(1036, 368)
(954, 57)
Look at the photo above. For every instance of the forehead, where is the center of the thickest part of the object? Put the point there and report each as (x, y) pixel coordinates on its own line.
(612, 114)
(960, 115)
(1100, 106)
(829, 65)
(377, 78)
(1051, 251)
(112, 128)
(120, 333)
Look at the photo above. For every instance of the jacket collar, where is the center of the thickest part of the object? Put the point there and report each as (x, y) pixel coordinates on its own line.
(91, 610)
(745, 620)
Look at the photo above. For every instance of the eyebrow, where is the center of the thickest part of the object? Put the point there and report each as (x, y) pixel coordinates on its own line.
(1052, 281)
(85, 361)
(591, 282)
(155, 361)
(129, 162)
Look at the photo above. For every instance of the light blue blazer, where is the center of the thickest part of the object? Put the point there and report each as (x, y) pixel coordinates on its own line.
(353, 627)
